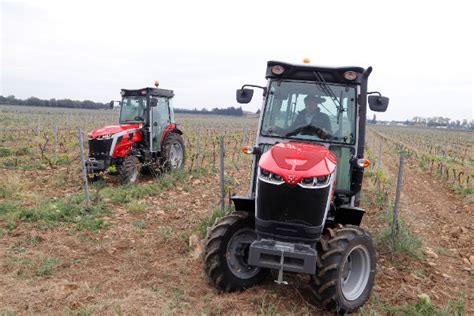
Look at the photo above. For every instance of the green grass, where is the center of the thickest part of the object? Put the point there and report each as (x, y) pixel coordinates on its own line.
(136, 207)
(139, 225)
(211, 219)
(23, 151)
(5, 152)
(419, 273)
(466, 193)
(28, 267)
(51, 213)
(423, 307)
(126, 194)
(5, 192)
(404, 243)
(47, 266)
(166, 233)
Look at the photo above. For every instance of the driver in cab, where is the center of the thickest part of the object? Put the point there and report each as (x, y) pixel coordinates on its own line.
(311, 120)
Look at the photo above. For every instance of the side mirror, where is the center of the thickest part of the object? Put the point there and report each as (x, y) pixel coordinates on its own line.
(378, 103)
(244, 95)
(111, 105)
(153, 102)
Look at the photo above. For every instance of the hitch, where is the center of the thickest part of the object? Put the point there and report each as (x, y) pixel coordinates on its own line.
(280, 271)
(282, 256)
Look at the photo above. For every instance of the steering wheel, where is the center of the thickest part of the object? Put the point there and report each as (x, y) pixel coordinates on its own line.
(309, 130)
(138, 118)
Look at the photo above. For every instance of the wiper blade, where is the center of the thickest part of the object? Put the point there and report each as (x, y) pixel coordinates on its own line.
(326, 88)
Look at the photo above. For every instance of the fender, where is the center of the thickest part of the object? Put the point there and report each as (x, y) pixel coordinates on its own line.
(244, 204)
(347, 214)
(171, 128)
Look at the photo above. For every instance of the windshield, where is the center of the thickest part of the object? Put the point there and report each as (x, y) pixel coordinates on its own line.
(133, 109)
(310, 111)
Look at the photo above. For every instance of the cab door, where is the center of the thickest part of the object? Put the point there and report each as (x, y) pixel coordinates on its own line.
(160, 119)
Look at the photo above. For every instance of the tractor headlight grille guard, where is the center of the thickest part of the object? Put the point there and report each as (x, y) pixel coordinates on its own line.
(315, 182)
(269, 177)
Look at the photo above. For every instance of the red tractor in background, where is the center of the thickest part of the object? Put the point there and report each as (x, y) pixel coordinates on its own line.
(146, 137)
(302, 212)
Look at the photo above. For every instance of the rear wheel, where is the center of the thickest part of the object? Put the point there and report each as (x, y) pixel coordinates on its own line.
(345, 269)
(173, 152)
(226, 254)
(129, 170)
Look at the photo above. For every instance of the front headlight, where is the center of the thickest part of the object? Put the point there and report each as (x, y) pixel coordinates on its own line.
(103, 137)
(315, 182)
(269, 177)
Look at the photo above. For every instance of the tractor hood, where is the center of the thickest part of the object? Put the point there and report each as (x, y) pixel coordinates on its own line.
(112, 130)
(295, 161)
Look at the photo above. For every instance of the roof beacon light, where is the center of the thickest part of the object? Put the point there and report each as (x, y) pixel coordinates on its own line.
(306, 61)
(157, 83)
(350, 75)
(278, 70)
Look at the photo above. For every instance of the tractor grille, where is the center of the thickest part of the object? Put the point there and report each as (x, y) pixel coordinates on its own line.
(99, 148)
(290, 212)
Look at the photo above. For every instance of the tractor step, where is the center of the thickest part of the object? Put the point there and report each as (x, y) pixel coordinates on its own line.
(283, 256)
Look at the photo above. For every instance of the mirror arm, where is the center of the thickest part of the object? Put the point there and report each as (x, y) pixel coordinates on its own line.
(255, 86)
(374, 92)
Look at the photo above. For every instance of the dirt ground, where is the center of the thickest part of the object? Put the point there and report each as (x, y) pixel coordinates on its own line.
(143, 263)
(445, 225)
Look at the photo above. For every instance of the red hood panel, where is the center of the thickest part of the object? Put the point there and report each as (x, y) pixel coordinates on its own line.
(295, 161)
(112, 129)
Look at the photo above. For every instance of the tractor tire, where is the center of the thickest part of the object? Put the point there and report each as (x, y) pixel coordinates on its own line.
(346, 266)
(129, 170)
(226, 254)
(174, 152)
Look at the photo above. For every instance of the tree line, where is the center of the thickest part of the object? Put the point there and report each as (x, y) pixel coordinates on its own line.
(57, 103)
(435, 121)
(227, 111)
(87, 104)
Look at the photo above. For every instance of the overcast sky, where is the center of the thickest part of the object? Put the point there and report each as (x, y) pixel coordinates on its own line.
(421, 51)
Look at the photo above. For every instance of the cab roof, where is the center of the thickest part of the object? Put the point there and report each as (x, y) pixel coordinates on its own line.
(309, 72)
(148, 91)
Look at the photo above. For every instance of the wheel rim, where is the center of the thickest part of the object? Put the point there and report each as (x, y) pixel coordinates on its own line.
(238, 252)
(355, 273)
(176, 155)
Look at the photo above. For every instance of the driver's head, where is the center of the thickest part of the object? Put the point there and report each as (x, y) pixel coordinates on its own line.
(311, 103)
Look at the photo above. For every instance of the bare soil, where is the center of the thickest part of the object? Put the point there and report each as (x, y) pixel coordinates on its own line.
(445, 224)
(143, 263)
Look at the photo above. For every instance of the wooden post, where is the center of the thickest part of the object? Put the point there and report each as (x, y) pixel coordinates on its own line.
(396, 209)
(83, 166)
(222, 178)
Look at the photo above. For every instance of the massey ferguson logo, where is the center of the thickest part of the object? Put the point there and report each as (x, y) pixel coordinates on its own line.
(291, 178)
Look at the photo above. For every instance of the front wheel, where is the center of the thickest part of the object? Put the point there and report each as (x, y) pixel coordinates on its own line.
(226, 254)
(129, 170)
(346, 268)
(173, 152)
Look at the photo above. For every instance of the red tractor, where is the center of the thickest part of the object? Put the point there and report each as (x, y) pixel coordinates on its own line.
(302, 214)
(146, 137)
